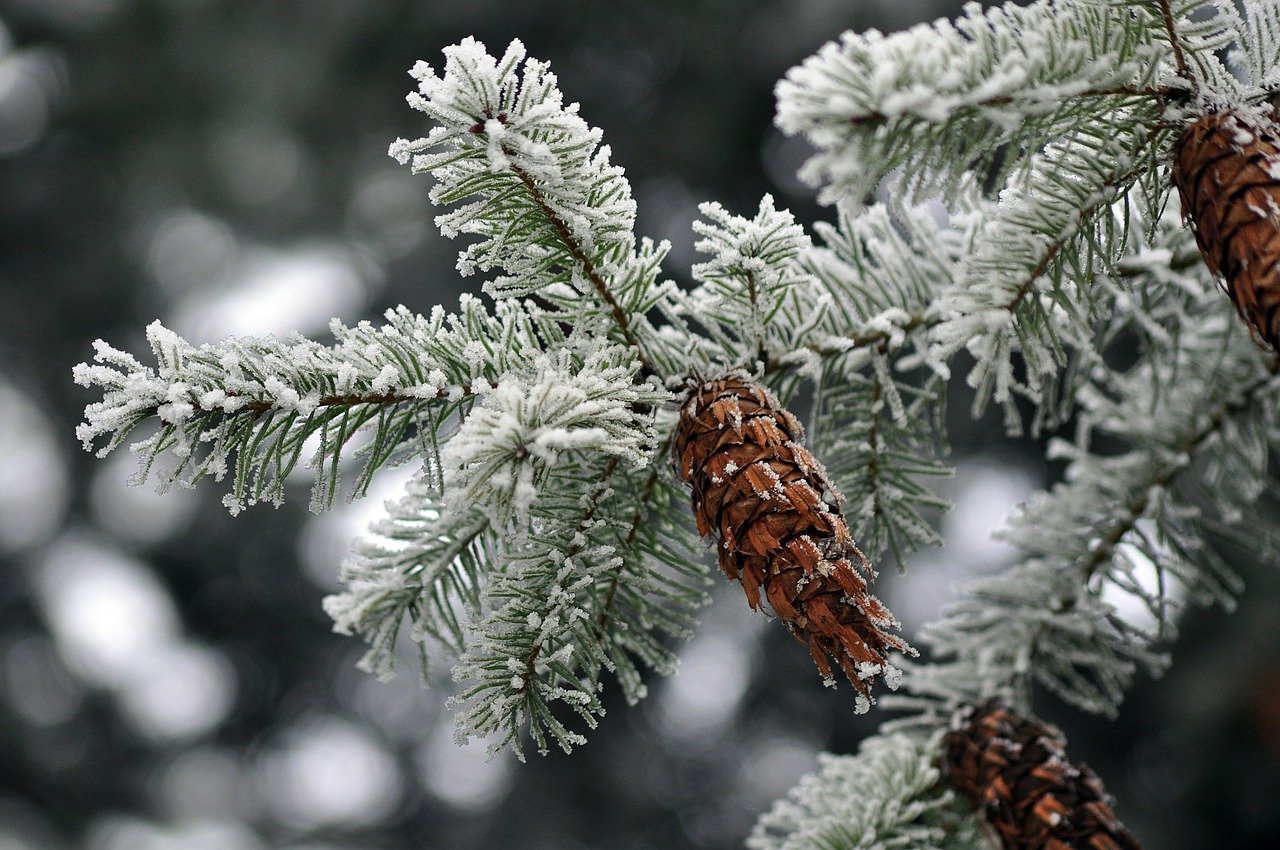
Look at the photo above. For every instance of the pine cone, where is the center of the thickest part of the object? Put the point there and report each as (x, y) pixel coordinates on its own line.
(770, 507)
(1227, 170)
(1016, 771)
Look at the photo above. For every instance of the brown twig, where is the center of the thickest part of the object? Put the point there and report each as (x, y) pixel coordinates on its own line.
(1158, 92)
(589, 270)
(1179, 58)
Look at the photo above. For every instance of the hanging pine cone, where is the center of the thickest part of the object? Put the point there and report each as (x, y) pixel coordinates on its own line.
(1015, 770)
(770, 507)
(1227, 170)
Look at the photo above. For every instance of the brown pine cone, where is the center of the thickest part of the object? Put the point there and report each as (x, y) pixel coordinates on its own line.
(1015, 771)
(1227, 170)
(779, 531)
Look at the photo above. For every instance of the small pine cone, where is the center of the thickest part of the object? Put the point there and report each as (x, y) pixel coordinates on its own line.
(769, 505)
(1227, 170)
(1015, 770)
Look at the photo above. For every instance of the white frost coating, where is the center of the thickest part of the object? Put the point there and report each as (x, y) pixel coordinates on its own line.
(871, 102)
(202, 396)
(887, 797)
(541, 546)
(1012, 287)
(503, 125)
(1188, 401)
(749, 279)
(1258, 58)
(502, 452)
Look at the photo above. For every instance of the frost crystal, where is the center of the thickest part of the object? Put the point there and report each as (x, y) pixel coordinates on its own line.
(888, 796)
(501, 455)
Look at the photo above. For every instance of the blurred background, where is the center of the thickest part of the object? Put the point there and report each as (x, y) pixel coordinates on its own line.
(167, 676)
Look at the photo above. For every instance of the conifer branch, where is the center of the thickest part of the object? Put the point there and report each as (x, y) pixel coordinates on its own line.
(584, 525)
(249, 406)
(980, 94)
(544, 540)
(1162, 93)
(1046, 620)
(1162, 479)
(589, 271)
(642, 507)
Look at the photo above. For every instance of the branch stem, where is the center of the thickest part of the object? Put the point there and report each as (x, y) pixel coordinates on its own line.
(606, 611)
(584, 525)
(1179, 58)
(1154, 92)
(349, 400)
(589, 270)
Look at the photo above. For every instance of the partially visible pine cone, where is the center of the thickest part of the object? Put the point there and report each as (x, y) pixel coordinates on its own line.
(779, 531)
(1015, 770)
(1227, 170)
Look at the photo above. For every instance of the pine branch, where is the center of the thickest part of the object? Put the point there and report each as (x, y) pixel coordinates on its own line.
(255, 407)
(1162, 480)
(1025, 287)
(530, 178)
(545, 539)
(575, 549)
(1256, 56)
(551, 625)
(1195, 32)
(420, 564)
(752, 289)
(611, 595)
(980, 95)
(890, 796)
(589, 270)
(881, 440)
(1178, 408)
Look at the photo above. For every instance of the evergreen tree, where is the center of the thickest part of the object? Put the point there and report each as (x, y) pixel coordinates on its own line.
(547, 541)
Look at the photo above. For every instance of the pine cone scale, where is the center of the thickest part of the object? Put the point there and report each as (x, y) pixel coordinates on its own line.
(1227, 170)
(770, 507)
(1016, 771)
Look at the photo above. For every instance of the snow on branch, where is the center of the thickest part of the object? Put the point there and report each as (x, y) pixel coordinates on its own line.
(538, 546)
(1257, 55)
(420, 563)
(879, 275)
(545, 540)
(748, 280)
(938, 100)
(880, 435)
(1137, 522)
(530, 178)
(1025, 287)
(890, 795)
(255, 407)
(501, 455)
(1193, 31)
(578, 594)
